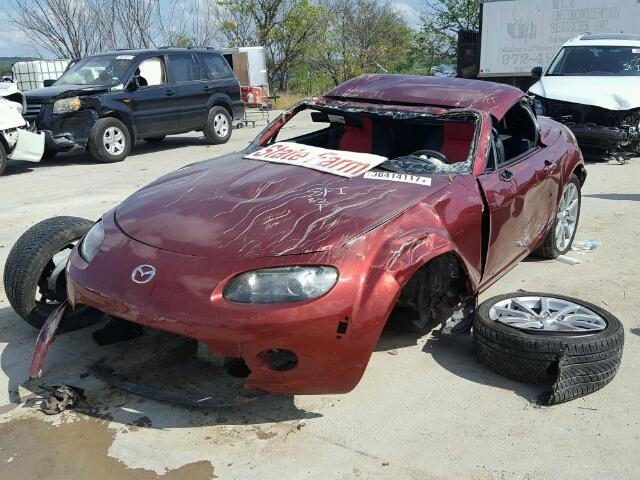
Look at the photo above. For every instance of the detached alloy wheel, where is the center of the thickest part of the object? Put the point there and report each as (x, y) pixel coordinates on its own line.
(109, 140)
(561, 234)
(34, 275)
(567, 343)
(218, 127)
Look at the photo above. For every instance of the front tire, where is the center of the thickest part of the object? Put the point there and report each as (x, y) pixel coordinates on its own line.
(218, 127)
(109, 140)
(544, 338)
(34, 275)
(563, 230)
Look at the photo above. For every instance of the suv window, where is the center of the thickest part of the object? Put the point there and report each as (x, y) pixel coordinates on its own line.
(151, 72)
(185, 67)
(517, 132)
(217, 66)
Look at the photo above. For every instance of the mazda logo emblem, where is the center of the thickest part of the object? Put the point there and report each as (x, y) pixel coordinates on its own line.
(143, 274)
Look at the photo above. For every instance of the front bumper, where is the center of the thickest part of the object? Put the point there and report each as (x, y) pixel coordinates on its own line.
(67, 131)
(599, 137)
(185, 297)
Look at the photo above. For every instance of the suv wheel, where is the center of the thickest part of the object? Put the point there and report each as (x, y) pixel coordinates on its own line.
(109, 140)
(218, 127)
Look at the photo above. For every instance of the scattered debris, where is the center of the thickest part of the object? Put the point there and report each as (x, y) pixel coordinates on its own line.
(62, 398)
(585, 245)
(568, 260)
(392, 352)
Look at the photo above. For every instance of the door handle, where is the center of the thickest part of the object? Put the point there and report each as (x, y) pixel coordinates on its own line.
(170, 93)
(549, 166)
(506, 175)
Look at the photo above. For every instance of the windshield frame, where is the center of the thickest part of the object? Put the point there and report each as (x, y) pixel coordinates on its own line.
(82, 63)
(477, 152)
(561, 52)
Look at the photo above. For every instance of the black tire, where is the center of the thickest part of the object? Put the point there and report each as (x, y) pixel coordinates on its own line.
(154, 139)
(97, 147)
(3, 158)
(574, 364)
(211, 131)
(48, 155)
(30, 261)
(548, 248)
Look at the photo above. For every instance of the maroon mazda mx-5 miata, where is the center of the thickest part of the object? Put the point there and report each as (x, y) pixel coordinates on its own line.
(291, 255)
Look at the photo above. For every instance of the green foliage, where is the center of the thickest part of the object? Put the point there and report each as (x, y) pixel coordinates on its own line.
(5, 70)
(436, 41)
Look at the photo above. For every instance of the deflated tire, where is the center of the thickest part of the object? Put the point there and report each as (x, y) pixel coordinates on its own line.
(570, 345)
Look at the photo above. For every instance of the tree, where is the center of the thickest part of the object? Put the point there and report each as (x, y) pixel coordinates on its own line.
(76, 28)
(437, 39)
(64, 28)
(283, 27)
(190, 23)
(359, 36)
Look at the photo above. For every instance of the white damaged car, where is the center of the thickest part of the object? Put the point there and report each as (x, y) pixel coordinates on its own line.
(17, 141)
(593, 87)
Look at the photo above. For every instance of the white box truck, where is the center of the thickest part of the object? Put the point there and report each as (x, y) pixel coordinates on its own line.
(518, 35)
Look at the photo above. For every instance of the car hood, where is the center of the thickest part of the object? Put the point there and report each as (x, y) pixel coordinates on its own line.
(46, 94)
(612, 93)
(239, 207)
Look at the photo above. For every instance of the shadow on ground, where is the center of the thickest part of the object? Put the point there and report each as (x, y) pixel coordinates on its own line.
(455, 354)
(69, 360)
(16, 167)
(631, 197)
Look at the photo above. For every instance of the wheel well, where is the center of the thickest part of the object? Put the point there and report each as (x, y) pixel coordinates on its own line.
(220, 103)
(581, 173)
(123, 119)
(446, 283)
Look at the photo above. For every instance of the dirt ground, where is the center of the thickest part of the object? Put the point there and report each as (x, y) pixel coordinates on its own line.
(425, 409)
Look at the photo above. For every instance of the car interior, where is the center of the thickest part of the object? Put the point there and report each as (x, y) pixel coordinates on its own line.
(151, 72)
(389, 137)
(517, 132)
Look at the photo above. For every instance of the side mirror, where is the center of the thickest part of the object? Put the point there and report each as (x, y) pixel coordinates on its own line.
(536, 72)
(48, 82)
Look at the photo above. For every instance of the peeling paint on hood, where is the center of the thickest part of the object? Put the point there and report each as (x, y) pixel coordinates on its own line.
(234, 206)
(612, 93)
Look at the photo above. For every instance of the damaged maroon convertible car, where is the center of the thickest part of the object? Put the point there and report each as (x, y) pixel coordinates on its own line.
(292, 254)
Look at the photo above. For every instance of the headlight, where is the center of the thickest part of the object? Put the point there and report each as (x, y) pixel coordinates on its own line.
(538, 105)
(279, 285)
(91, 242)
(67, 105)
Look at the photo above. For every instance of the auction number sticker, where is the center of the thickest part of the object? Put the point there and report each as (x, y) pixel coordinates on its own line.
(336, 162)
(399, 177)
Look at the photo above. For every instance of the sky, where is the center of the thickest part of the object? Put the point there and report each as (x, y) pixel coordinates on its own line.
(14, 43)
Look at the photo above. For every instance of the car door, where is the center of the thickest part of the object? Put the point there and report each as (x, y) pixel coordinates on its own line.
(153, 105)
(520, 187)
(189, 79)
(222, 80)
